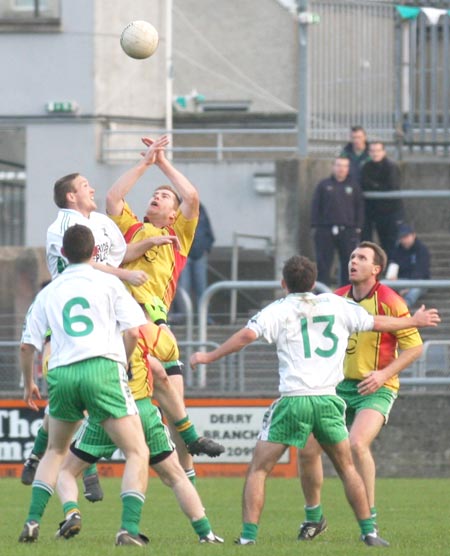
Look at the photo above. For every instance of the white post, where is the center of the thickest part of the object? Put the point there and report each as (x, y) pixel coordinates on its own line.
(169, 76)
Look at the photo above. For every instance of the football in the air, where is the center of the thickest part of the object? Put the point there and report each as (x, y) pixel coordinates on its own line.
(139, 39)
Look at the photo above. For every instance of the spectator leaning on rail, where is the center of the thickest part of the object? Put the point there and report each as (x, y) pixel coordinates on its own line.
(410, 260)
(377, 175)
(337, 218)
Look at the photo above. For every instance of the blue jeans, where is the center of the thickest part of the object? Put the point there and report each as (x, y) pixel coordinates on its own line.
(412, 295)
(194, 279)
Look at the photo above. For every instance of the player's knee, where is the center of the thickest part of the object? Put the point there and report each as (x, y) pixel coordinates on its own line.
(359, 446)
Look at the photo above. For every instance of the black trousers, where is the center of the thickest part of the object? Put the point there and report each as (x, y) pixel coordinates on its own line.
(386, 226)
(326, 243)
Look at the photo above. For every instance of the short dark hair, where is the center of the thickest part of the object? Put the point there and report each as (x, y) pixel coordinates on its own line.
(172, 190)
(299, 274)
(358, 128)
(378, 142)
(379, 254)
(78, 243)
(63, 186)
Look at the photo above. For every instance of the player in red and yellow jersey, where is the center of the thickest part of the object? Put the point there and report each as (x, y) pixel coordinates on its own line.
(172, 212)
(370, 387)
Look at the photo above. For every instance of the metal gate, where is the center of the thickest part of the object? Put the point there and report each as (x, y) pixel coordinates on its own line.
(12, 208)
(423, 76)
(371, 65)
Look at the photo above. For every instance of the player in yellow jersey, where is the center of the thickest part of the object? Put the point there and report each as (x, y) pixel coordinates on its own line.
(172, 210)
(371, 383)
(91, 444)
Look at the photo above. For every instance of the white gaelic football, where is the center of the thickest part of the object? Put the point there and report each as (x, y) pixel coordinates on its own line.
(139, 39)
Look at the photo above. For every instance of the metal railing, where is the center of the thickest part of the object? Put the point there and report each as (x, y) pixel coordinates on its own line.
(269, 284)
(231, 285)
(220, 143)
(409, 194)
(237, 236)
(233, 370)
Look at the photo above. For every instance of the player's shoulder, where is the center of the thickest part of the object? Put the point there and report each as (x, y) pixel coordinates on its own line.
(99, 217)
(387, 295)
(343, 291)
(391, 302)
(64, 219)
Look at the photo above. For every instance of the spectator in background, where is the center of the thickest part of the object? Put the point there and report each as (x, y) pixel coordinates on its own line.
(357, 151)
(194, 278)
(377, 175)
(337, 219)
(410, 260)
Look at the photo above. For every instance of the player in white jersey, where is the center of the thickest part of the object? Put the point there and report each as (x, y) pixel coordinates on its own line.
(311, 333)
(75, 198)
(87, 312)
(109, 241)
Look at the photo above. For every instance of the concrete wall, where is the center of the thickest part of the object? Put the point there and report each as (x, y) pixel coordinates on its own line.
(226, 189)
(296, 180)
(124, 86)
(42, 67)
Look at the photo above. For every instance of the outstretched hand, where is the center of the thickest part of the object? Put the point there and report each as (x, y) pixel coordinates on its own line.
(426, 317)
(166, 240)
(198, 358)
(155, 149)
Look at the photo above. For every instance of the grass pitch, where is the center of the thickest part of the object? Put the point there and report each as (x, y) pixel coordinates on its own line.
(414, 515)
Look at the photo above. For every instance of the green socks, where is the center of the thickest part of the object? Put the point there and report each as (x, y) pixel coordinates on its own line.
(367, 525)
(132, 502)
(69, 508)
(249, 531)
(202, 526)
(91, 470)
(186, 430)
(313, 513)
(191, 475)
(40, 495)
(40, 443)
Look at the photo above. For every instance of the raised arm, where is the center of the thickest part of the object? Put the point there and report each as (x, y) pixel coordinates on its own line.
(119, 190)
(235, 343)
(190, 201)
(422, 318)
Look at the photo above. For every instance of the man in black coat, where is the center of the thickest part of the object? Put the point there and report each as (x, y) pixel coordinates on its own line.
(377, 175)
(336, 218)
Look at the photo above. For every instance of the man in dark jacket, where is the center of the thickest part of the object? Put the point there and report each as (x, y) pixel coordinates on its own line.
(194, 278)
(337, 219)
(377, 175)
(357, 151)
(413, 260)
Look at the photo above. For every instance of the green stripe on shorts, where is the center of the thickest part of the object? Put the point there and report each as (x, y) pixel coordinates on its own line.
(92, 439)
(291, 419)
(97, 385)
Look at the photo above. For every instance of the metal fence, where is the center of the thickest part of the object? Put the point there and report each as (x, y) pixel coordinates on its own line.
(351, 69)
(253, 371)
(12, 210)
(372, 66)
